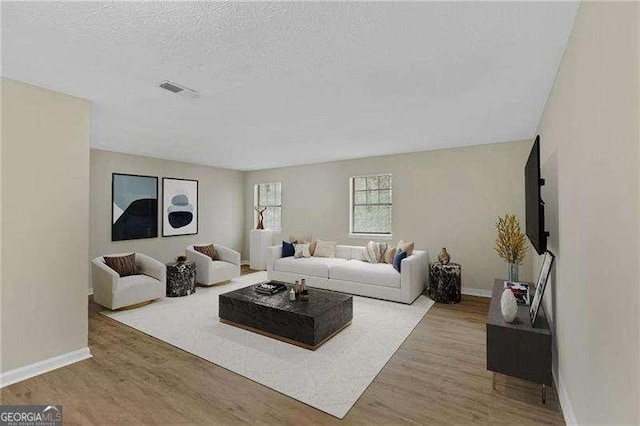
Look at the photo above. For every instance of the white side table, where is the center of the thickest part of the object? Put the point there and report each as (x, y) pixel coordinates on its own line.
(260, 241)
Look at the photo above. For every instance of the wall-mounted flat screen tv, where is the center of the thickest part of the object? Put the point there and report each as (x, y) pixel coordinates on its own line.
(533, 200)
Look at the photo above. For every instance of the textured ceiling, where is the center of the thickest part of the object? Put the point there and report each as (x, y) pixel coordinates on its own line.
(293, 83)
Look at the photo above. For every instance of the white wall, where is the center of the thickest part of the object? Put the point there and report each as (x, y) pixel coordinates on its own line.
(590, 136)
(45, 224)
(221, 205)
(447, 198)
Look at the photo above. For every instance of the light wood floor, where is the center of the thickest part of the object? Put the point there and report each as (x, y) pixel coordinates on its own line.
(437, 376)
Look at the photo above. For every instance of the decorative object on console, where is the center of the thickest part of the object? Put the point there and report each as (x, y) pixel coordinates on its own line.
(508, 305)
(208, 250)
(373, 252)
(407, 247)
(446, 282)
(180, 207)
(134, 207)
(324, 248)
(260, 212)
(444, 257)
(545, 271)
(510, 243)
(288, 249)
(123, 265)
(302, 250)
(181, 279)
(397, 259)
(520, 291)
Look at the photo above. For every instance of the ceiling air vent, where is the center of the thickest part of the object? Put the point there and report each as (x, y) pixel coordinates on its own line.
(176, 88)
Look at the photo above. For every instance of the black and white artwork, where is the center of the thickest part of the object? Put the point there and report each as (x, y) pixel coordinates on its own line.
(179, 207)
(545, 271)
(134, 213)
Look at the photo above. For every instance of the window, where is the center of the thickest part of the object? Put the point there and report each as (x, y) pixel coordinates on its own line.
(371, 204)
(268, 195)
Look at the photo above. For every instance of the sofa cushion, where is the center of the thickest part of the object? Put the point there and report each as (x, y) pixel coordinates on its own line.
(301, 250)
(288, 249)
(312, 266)
(380, 274)
(207, 251)
(406, 246)
(325, 248)
(123, 265)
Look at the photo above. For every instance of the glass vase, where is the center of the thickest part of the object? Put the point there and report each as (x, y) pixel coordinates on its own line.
(513, 272)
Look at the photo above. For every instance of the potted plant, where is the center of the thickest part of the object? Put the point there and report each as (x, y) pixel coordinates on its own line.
(511, 244)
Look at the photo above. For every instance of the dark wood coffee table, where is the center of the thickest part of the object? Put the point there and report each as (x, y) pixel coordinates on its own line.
(306, 324)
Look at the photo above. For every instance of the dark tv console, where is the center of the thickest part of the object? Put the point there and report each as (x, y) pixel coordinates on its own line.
(518, 349)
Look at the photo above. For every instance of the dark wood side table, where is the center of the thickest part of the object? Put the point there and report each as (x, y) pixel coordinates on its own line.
(181, 279)
(518, 349)
(445, 282)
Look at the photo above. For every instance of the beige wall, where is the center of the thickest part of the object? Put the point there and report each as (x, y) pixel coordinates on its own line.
(220, 212)
(589, 140)
(441, 198)
(45, 221)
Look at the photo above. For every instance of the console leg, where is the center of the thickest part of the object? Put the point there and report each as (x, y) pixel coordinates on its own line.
(544, 394)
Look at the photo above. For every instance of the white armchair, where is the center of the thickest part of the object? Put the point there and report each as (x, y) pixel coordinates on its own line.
(210, 272)
(115, 292)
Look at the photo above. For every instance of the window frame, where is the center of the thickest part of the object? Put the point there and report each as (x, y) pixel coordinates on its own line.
(352, 205)
(256, 200)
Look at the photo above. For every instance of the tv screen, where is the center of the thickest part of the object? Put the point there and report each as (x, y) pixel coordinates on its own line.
(533, 199)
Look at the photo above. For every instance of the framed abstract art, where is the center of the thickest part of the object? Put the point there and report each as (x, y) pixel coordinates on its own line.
(134, 207)
(179, 207)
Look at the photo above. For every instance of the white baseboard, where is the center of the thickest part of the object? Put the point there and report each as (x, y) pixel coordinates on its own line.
(90, 291)
(565, 402)
(480, 292)
(28, 371)
(244, 262)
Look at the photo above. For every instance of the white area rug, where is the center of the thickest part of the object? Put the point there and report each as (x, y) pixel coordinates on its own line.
(331, 379)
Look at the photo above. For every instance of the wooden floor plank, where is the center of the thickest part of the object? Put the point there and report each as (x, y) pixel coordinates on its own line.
(438, 376)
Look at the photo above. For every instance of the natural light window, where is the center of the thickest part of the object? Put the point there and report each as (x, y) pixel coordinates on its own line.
(268, 195)
(371, 204)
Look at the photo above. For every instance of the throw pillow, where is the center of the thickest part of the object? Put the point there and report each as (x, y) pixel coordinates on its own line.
(288, 249)
(373, 252)
(302, 250)
(389, 254)
(301, 239)
(397, 259)
(312, 247)
(406, 246)
(325, 248)
(207, 251)
(123, 265)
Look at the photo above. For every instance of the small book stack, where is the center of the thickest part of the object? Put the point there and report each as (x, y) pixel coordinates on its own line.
(269, 287)
(520, 291)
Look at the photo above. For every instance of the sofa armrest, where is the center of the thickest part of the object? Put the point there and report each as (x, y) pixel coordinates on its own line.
(413, 275)
(104, 282)
(273, 253)
(228, 255)
(151, 267)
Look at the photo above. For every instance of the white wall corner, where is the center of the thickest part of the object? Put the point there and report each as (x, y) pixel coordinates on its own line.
(480, 292)
(565, 402)
(37, 368)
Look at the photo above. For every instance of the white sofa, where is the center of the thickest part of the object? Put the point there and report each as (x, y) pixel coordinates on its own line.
(347, 273)
(115, 292)
(210, 272)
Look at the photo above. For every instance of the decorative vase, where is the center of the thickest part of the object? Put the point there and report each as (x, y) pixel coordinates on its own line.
(513, 272)
(508, 305)
(444, 257)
